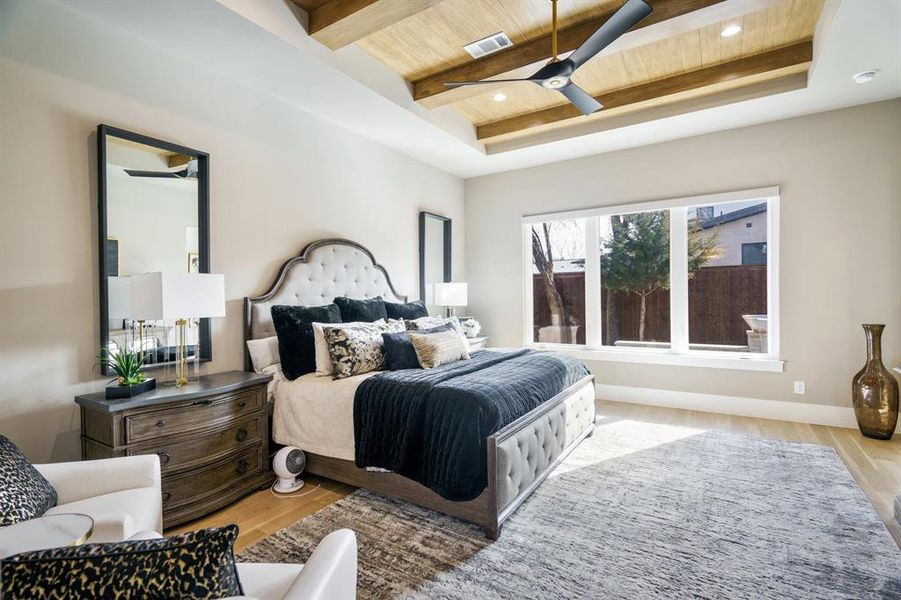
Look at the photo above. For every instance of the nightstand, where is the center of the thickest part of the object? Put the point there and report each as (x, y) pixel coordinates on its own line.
(477, 343)
(212, 437)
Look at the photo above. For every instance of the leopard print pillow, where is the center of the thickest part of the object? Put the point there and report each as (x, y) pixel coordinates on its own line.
(360, 348)
(24, 494)
(198, 564)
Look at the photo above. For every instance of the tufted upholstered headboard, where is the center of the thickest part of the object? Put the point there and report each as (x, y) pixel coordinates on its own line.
(324, 270)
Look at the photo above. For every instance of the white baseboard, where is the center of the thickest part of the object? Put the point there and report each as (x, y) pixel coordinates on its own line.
(818, 414)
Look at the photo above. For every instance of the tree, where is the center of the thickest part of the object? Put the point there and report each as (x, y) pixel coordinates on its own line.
(635, 257)
(543, 258)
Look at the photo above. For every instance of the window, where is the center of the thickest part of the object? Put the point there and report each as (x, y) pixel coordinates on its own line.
(753, 253)
(684, 281)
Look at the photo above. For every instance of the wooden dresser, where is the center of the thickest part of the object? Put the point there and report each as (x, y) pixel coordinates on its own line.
(212, 437)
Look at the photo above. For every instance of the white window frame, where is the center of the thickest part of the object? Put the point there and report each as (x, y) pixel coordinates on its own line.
(679, 353)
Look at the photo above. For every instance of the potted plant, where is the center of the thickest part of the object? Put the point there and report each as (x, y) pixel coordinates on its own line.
(128, 368)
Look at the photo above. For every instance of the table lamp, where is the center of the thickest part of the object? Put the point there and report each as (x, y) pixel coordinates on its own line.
(450, 295)
(177, 297)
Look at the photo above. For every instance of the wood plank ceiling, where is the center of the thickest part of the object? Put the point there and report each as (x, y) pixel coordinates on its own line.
(675, 58)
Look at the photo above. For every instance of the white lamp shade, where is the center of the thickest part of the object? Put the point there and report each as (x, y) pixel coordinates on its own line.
(118, 298)
(451, 294)
(171, 296)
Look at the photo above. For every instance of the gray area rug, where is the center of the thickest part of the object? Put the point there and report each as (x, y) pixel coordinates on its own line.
(637, 511)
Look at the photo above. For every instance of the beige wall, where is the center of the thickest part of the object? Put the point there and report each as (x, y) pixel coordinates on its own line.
(279, 179)
(840, 177)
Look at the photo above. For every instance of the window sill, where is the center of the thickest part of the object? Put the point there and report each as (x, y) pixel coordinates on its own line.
(710, 360)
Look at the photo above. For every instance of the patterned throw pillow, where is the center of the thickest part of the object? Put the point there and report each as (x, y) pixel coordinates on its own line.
(198, 564)
(324, 364)
(435, 349)
(24, 493)
(431, 322)
(358, 349)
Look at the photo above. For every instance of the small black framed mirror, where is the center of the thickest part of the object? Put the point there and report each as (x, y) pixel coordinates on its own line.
(153, 216)
(434, 255)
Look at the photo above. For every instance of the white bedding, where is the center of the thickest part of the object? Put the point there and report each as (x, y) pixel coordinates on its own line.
(316, 414)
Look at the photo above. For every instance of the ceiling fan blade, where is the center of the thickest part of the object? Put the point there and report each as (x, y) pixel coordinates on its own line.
(582, 99)
(453, 84)
(164, 174)
(622, 21)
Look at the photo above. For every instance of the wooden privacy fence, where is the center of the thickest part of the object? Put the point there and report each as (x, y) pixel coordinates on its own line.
(717, 298)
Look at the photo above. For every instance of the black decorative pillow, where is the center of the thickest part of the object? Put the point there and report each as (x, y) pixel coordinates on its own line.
(358, 349)
(24, 493)
(294, 327)
(399, 350)
(198, 564)
(364, 311)
(410, 310)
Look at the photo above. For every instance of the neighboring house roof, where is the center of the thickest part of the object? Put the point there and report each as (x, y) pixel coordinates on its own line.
(735, 215)
(566, 265)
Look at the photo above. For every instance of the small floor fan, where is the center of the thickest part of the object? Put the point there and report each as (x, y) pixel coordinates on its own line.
(288, 463)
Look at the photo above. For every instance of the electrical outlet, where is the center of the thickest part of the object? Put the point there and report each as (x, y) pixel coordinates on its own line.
(800, 387)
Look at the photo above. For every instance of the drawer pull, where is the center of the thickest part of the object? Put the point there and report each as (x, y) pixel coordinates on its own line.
(166, 496)
(242, 435)
(242, 403)
(164, 457)
(161, 423)
(202, 402)
(242, 466)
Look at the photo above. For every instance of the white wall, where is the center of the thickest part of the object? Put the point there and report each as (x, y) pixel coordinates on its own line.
(840, 178)
(279, 178)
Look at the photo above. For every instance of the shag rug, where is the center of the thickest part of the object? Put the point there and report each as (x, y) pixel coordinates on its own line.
(639, 510)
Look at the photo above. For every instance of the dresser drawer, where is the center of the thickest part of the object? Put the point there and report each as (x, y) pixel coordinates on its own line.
(200, 414)
(194, 486)
(202, 447)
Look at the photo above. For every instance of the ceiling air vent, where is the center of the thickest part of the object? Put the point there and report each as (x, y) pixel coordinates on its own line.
(488, 45)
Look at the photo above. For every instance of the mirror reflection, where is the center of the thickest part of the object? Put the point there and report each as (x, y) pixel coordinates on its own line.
(435, 256)
(151, 224)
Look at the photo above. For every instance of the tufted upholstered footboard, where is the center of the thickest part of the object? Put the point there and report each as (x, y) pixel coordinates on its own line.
(523, 454)
(520, 456)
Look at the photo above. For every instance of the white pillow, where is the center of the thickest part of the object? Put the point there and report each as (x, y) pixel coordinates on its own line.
(263, 353)
(324, 364)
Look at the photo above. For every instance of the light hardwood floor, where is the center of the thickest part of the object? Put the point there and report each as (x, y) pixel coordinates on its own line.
(875, 465)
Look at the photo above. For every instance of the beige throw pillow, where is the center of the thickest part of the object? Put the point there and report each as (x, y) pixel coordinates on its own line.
(434, 349)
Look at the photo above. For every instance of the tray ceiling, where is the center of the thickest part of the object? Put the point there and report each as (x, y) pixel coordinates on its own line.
(675, 55)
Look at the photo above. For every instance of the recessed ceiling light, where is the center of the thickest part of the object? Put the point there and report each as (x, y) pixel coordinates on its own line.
(500, 97)
(730, 31)
(865, 76)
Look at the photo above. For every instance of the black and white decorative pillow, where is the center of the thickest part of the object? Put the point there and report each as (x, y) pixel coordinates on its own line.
(24, 493)
(198, 564)
(358, 349)
(431, 322)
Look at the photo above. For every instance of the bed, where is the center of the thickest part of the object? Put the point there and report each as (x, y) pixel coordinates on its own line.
(316, 414)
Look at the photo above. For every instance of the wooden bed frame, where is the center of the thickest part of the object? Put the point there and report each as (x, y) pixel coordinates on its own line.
(519, 457)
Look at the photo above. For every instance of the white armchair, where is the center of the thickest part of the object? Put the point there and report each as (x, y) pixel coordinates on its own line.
(330, 574)
(123, 495)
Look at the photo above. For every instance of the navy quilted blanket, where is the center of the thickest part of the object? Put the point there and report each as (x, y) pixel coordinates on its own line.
(432, 425)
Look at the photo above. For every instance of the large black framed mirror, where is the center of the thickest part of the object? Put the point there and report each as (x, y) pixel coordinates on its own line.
(153, 213)
(434, 255)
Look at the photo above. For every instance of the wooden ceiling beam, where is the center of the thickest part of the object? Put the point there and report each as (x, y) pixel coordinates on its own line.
(670, 17)
(338, 23)
(773, 60)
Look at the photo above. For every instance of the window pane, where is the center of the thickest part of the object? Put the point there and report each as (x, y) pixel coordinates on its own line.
(558, 282)
(727, 289)
(635, 271)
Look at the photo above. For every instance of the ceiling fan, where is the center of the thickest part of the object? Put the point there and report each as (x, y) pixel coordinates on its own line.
(557, 74)
(190, 170)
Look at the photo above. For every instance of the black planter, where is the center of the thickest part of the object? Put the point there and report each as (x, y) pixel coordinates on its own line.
(127, 391)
